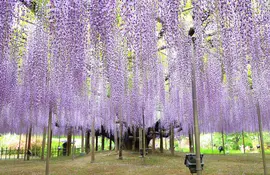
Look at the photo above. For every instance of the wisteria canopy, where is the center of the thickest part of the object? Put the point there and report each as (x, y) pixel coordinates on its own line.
(113, 60)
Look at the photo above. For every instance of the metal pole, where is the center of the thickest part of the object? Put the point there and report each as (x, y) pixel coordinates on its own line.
(243, 137)
(261, 137)
(223, 143)
(195, 112)
(93, 141)
(143, 136)
(49, 142)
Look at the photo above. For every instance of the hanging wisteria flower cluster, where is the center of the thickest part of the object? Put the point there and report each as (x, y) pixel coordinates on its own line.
(131, 60)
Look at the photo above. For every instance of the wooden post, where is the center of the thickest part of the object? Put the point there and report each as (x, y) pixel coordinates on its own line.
(43, 143)
(261, 137)
(82, 144)
(49, 142)
(29, 143)
(93, 141)
(19, 148)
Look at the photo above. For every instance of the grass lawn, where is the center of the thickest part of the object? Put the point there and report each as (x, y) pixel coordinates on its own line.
(156, 164)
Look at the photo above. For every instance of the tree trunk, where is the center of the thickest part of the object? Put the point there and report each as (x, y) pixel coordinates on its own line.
(29, 143)
(87, 142)
(82, 144)
(43, 143)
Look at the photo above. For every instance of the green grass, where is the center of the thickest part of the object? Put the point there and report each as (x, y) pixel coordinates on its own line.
(158, 164)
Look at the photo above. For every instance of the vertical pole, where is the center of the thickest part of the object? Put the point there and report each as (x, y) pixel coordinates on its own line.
(121, 140)
(82, 144)
(261, 137)
(58, 150)
(102, 139)
(115, 139)
(140, 140)
(96, 142)
(172, 140)
(134, 138)
(29, 143)
(36, 147)
(19, 148)
(191, 142)
(195, 112)
(243, 137)
(110, 146)
(43, 143)
(73, 145)
(161, 140)
(223, 142)
(143, 135)
(212, 143)
(87, 142)
(165, 140)
(154, 140)
(93, 141)
(49, 142)
(25, 147)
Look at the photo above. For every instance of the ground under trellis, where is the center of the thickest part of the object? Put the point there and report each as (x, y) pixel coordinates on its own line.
(157, 164)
